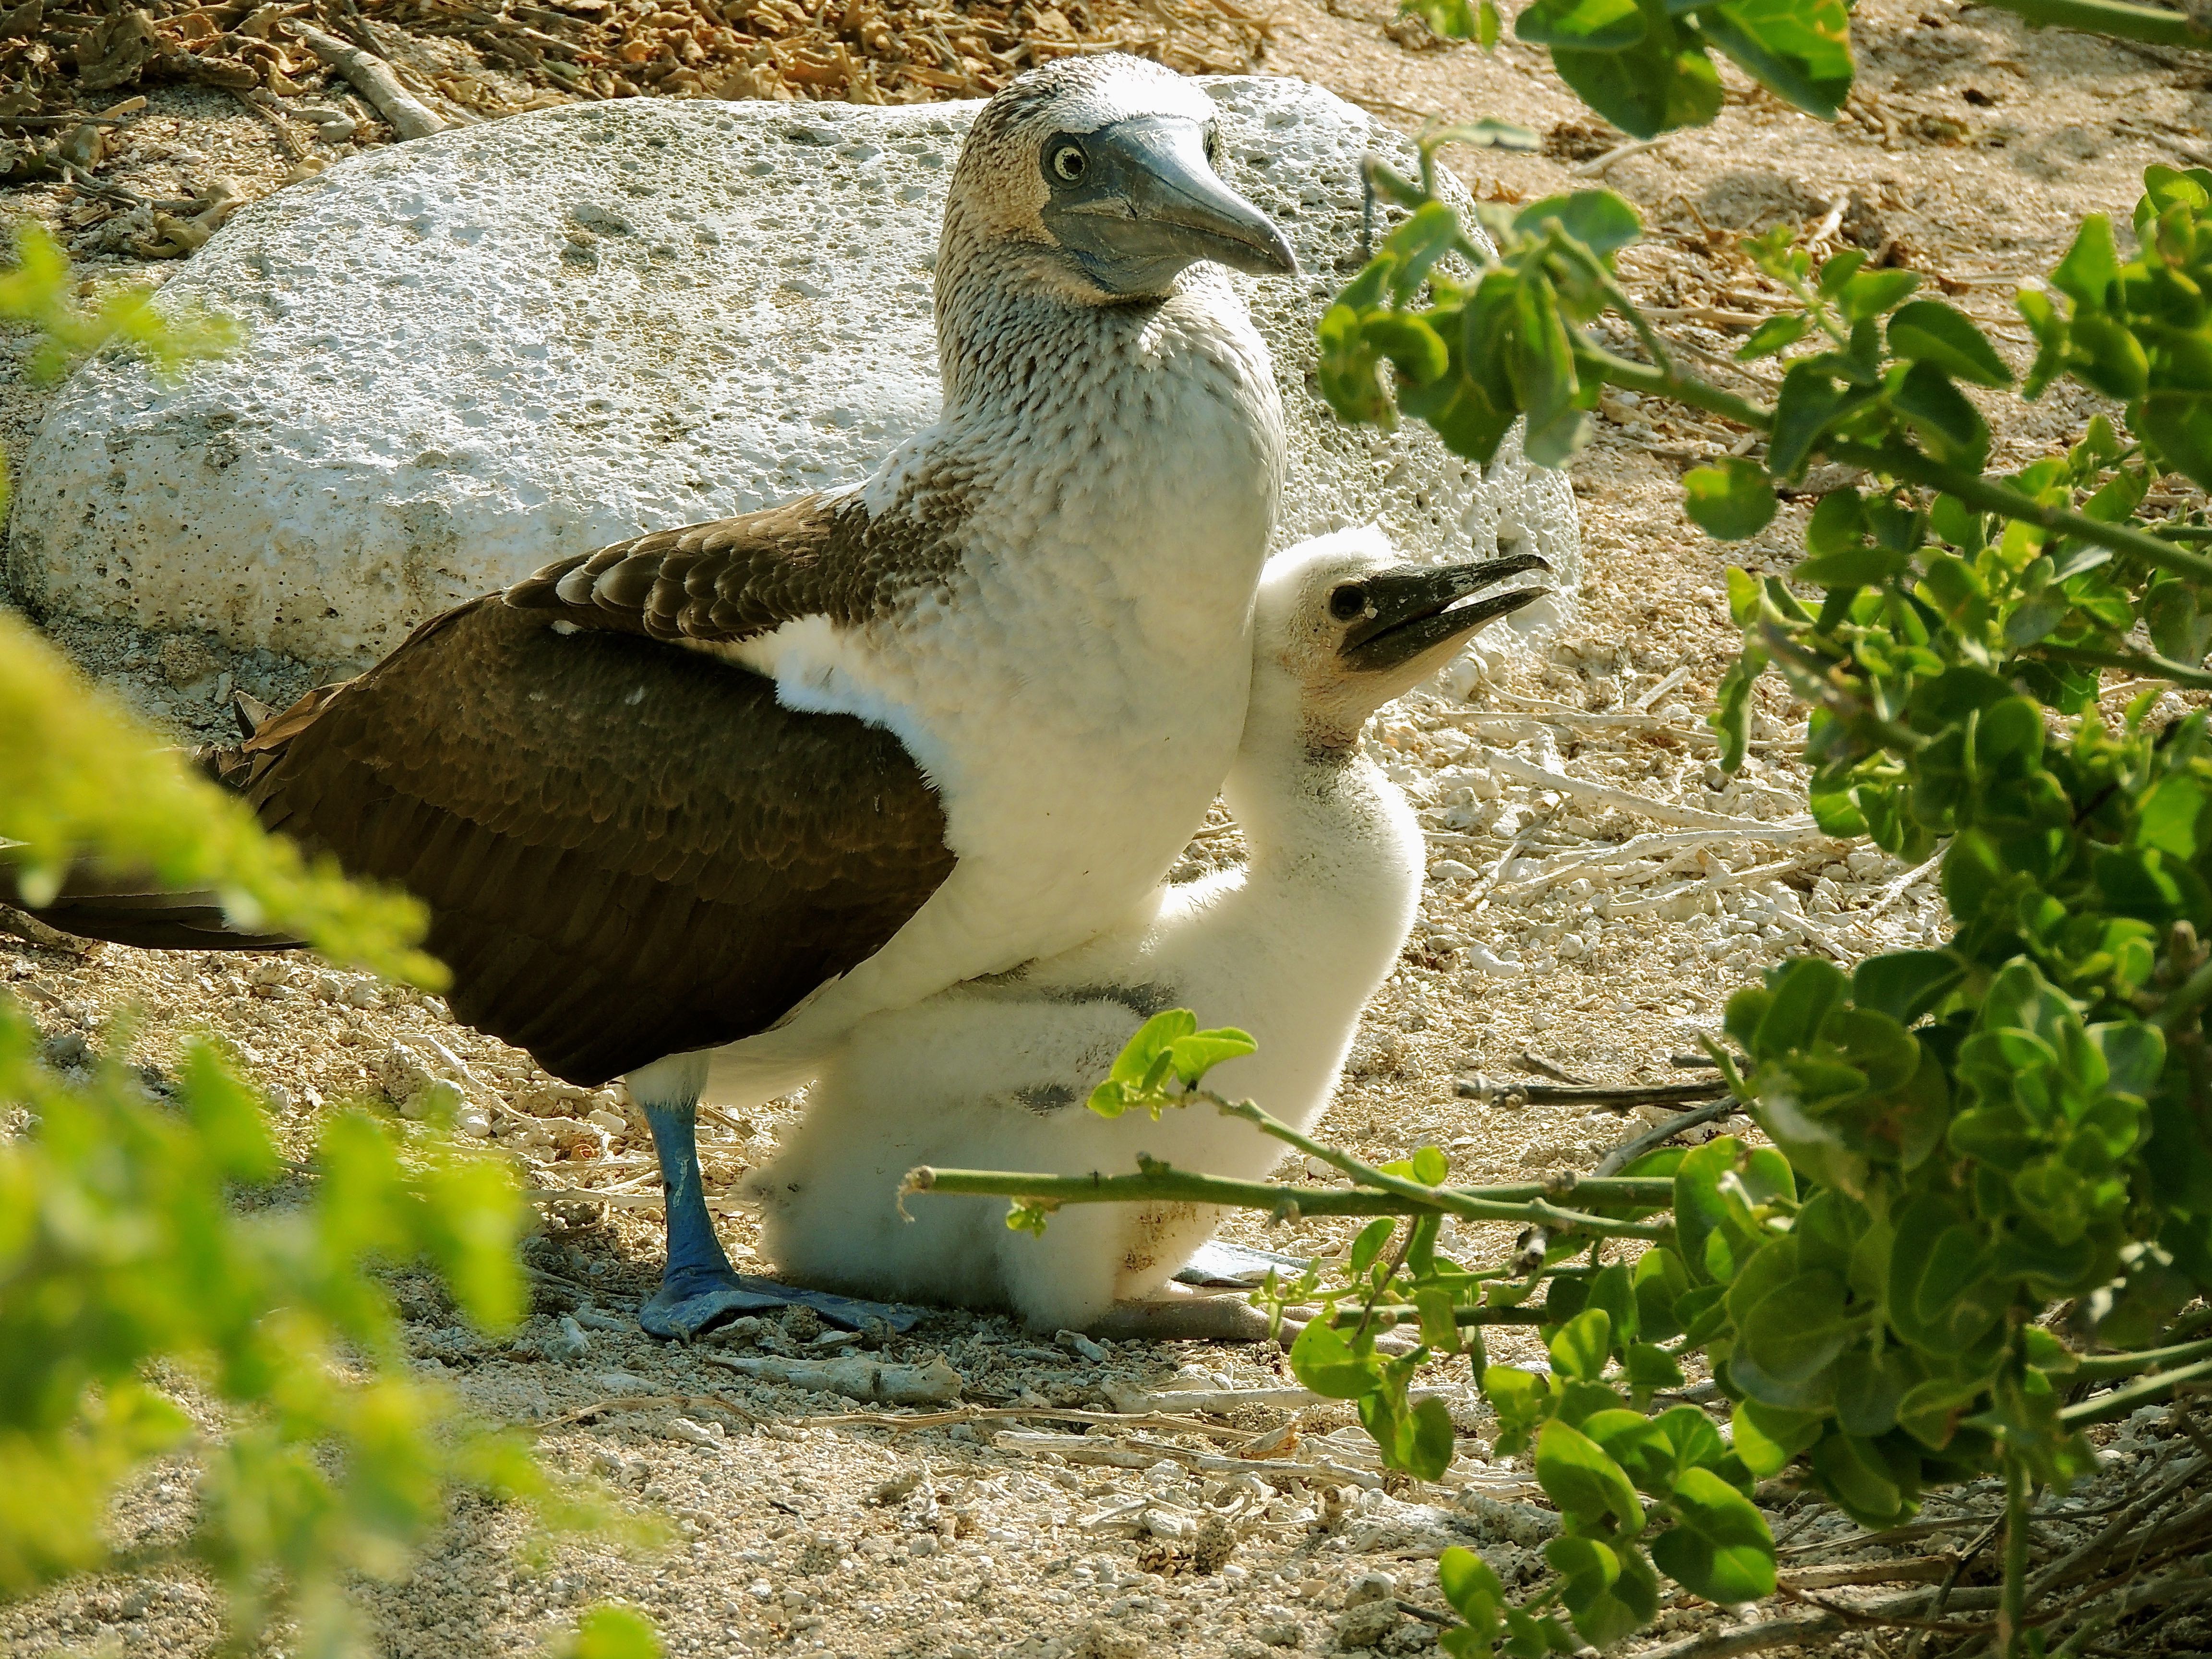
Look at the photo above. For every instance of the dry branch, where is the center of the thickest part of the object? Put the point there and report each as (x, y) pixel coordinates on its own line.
(375, 80)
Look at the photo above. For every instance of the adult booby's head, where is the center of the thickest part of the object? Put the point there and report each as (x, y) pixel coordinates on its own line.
(1093, 179)
(1344, 626)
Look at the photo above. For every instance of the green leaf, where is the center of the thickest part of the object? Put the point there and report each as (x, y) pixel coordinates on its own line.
(1521, 1400)
(1730, 719)
(1856, 566)
(1906, 984)
(1805, 991)
(1326, 1363)
(1541, 367)
(1632, 1440)
(1871, 293)
(1940, 1297)
(1347, 369)
(1611, 1591)
(1790, 1326)
(1664, 81)
(1719, 1546)
(1942, 416)
(1439, 1318)
(2107, 355)
(1799, 49)
(1871, 1386)
(1776, 333)
(1838, 523)
(1593, 25)
(1472, 1589)
(1928, 331)
(1369, 1244)
(1453, 20)
(2091, 267)
(1586, 1484)
(1699, 1209)
(2179, 425)
(1697, 1443)
(1660, 1277)
(2179, 627)
(1730, 500)
(1194, 1055)
(1613, 1293)
(1430, 1167)
(1768, 1437)
(1598, 219)
(1857, 1474)
(1432, 232)
(1809, 405)
(1580, 1348)
(1430, 1453)
(1153, 1039)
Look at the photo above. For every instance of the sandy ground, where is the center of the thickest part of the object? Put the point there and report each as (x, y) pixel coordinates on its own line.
(1551, 942)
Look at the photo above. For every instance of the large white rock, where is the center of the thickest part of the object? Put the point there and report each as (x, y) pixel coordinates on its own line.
(479, 351)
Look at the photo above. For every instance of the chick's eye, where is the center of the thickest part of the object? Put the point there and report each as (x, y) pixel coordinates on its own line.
(1347, 602)
(1068, 162)
(1213, 146)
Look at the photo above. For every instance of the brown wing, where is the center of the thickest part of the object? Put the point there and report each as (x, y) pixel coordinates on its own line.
(742, 576)
(628, 851)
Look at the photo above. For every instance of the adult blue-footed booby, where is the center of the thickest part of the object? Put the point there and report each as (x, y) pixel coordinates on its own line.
(686, 808)
(1291, 946)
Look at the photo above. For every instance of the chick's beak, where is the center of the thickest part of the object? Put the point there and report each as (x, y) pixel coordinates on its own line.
(1150, 204)
(1413, 609)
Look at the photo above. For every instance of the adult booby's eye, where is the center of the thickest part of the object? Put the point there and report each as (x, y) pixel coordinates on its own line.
(1068, 162)
(1348, 603)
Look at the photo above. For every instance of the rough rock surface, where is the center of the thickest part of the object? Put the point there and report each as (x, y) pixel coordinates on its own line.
(481, 351)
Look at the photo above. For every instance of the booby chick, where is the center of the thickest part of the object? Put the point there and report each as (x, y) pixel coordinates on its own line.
(690, 806)
(1290, 946)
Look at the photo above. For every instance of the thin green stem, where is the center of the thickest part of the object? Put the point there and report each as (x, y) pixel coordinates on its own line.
(1389, 1317)
(2189, 996)
(1624, 371)
(2152, 24)
(2135, 662)
(1375, 1290)
(2144, 1391)
(1483, 1203)
(2099, 1367)
(1539, 1212)
(2184, 532)
(1592, 270)
(1990, 496)
(2012, 1610)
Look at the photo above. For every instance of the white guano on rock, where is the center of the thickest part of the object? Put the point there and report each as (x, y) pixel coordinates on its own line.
(489, 348)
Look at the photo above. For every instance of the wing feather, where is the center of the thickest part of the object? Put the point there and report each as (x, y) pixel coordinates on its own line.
(735, 578)
(628, 851)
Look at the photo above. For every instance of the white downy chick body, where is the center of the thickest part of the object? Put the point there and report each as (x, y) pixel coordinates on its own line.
(995, 1075)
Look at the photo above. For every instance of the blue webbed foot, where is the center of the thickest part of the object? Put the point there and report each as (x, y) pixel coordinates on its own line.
(699, 1289)
(690, 1304)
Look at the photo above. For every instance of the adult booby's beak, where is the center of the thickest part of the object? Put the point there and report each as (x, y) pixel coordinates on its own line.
(1144, 202)
(1413, 609)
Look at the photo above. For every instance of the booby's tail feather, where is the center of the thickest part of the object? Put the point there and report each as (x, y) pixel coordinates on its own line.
(133, 907)
(122, 910)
